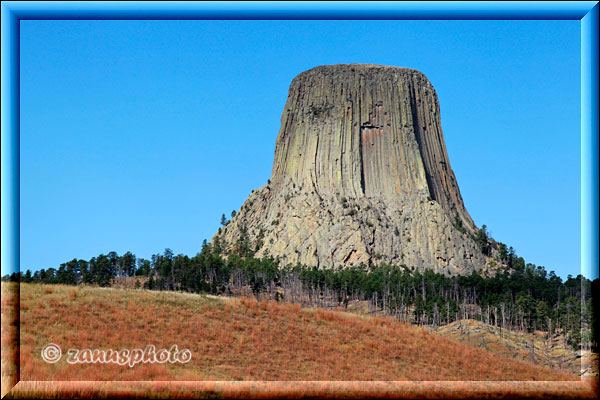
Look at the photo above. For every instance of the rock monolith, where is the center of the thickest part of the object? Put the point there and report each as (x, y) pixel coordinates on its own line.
(361, 174)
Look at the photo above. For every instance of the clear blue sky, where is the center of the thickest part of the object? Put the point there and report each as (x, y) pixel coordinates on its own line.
(138, 135)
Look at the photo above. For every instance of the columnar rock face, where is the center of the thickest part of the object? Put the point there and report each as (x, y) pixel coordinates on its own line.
(361, 174)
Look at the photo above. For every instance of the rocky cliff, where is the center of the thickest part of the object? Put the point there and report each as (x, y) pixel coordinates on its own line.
(361, 174)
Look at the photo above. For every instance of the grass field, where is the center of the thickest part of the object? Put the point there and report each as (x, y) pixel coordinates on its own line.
(551, 352)
(234, 339)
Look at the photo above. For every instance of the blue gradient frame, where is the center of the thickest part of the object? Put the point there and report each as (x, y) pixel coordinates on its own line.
(298, 10)
(589, 143)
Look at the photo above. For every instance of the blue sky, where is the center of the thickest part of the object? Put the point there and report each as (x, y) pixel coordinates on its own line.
(138, 135)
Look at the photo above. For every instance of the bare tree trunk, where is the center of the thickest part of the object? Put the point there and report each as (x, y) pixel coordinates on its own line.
(502, 326)
(495, 319)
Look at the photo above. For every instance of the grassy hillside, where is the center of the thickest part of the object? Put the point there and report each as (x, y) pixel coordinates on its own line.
(240, 339)
(549, 351)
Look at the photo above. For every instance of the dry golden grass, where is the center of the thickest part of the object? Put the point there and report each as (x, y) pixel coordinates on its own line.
(239, 339)
(308, 389)
(553, 353)
(10, 333)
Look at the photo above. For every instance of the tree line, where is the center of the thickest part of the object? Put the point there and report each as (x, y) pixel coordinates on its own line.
(522, 298)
